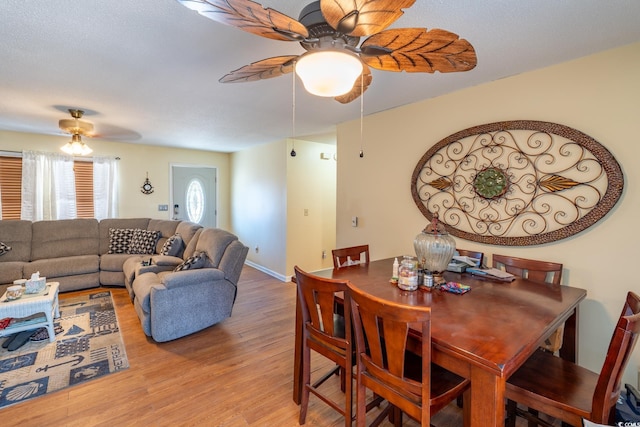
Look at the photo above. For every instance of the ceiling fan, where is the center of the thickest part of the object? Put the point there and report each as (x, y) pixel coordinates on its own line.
(333, 28)
(76, 127)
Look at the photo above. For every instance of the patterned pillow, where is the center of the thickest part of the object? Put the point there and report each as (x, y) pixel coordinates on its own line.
(172, 246)
(4, 248)
(196, 261)
(119, 239)
(143, 241)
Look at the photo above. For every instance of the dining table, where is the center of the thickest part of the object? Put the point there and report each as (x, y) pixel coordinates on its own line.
(484, 335)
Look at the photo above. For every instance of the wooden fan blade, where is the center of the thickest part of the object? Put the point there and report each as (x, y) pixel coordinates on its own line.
(359, 87)
(363, 17)
(260, 70)
(417, 50)
(251, 17)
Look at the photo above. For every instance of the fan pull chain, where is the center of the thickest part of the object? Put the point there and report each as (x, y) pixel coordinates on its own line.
(293, 115)
(361, 113)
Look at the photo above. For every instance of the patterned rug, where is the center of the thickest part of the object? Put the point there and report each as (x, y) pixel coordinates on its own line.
(88, 345)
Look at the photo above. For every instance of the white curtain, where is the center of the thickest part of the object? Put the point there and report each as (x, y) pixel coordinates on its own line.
(48, 186)
(105, 187)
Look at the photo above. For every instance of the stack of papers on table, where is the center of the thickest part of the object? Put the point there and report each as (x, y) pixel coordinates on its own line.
(493, 273)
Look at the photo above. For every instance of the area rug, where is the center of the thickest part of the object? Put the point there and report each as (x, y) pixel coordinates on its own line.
(88, 345)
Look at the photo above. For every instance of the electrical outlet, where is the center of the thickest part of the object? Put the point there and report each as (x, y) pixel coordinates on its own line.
(306, 212)
(257, 249)
(163, 208)
(324, 256)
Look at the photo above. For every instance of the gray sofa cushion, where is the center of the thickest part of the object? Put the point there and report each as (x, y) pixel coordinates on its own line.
(167, 228)
(187, 231)
(17, 234)
(10, 271)
(64, 266)
(64, 238)
(191, 246)
(114, 262)
(214, 242)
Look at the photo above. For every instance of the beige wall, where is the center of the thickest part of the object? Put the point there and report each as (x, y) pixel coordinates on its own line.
(271, 191)
(597, 95)
(135, 161)
(311, 187)
(259, 199)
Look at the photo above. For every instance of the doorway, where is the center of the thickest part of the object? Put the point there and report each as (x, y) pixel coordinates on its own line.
(194, 194)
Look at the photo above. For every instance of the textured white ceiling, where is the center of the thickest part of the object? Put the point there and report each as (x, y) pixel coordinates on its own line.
(147, 71)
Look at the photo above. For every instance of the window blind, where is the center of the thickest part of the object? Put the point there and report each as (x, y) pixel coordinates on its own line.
(11, 186)
(84, 188)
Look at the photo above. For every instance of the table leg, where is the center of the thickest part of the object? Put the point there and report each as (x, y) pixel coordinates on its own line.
(569, 349)
(487, 399)
(50, 328)
(56, 306)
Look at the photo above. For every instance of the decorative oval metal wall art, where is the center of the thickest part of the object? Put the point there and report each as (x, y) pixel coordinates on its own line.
(517, 183)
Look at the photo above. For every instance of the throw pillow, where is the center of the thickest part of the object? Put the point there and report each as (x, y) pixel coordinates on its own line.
(172, 246)
(196, 261)
(119, 239)
(143, 241)
(4, 248)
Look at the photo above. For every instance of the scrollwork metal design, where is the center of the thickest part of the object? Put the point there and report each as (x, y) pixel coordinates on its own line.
(517, 183)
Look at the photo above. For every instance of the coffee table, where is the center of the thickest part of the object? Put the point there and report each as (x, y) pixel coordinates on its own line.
(45, 302)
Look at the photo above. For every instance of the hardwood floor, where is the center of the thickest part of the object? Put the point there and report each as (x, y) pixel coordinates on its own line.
(234, 374)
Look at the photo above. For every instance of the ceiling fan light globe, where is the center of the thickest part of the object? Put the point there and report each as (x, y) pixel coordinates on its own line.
(76, 147)
(328, 73)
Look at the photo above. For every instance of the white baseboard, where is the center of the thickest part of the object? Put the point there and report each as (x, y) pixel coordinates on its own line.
(267, 271)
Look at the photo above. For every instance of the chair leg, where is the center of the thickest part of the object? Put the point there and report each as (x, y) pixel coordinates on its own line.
(361, 405)
(532, 422)
(306, 380)
(397, 417)
(511, 414)
(466, 408)
(347, 375)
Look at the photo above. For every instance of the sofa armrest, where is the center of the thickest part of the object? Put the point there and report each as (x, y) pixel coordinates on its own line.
(166, 260)
(186, 277)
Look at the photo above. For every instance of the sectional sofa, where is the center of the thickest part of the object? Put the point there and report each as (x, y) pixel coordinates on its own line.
(180, 276)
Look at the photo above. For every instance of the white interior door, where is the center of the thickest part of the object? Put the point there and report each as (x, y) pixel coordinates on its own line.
(194, 194)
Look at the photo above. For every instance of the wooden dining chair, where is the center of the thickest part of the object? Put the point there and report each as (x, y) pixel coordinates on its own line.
(341, 257)
(328, 334)
(410, 383)
(569, 392)
(538, 271)
(472, 254)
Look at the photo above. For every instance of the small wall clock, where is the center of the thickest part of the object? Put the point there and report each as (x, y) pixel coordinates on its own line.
(147, 188)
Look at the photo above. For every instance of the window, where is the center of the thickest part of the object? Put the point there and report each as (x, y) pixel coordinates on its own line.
(11, 187)
(195, 201)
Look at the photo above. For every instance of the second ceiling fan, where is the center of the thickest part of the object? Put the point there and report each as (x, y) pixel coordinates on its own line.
(333, 28)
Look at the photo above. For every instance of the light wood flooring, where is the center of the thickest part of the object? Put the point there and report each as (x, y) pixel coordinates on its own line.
(234, 374)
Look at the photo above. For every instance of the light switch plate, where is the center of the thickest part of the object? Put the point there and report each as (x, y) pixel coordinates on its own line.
(354, 221)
